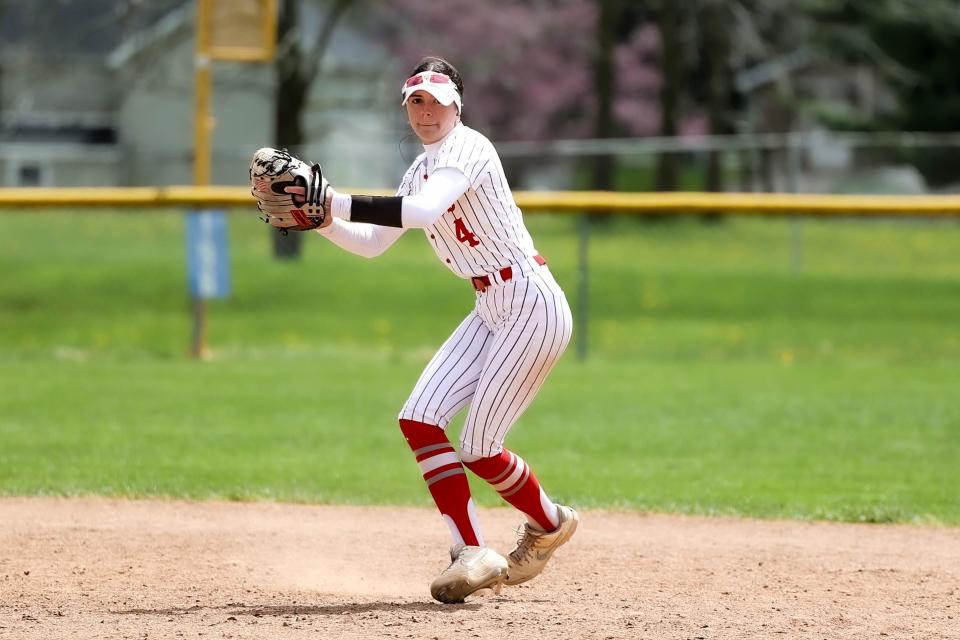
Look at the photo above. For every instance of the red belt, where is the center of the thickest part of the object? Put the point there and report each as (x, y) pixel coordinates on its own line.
(480, 283)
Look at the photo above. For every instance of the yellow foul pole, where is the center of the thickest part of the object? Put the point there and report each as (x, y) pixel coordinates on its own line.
(202, 136)
(202, 121)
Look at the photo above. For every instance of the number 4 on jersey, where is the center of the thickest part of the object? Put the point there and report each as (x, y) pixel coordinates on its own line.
(463, 234)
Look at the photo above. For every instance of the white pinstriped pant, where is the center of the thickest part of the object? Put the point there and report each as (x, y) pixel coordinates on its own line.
(496, 360)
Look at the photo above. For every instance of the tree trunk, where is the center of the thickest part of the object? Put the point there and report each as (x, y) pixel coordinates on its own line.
(289, 100)
(668, 20)
(295, 71)
(605, 86)
(716, 46)
(604, 165)
(3, 10)
(745, 165)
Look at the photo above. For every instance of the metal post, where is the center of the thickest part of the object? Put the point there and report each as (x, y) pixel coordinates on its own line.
(198, 349)
(796, 244)
(793, 186)
(202, 126)
(583, 303)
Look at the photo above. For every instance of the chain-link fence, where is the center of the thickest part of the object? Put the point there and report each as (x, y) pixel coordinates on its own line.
(813, 162)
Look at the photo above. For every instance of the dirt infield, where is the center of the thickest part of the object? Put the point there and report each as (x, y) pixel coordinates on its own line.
(96, 568)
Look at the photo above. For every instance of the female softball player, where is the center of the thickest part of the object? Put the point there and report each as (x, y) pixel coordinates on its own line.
(499, 356)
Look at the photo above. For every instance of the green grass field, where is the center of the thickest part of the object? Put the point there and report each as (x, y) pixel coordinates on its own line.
(720, 379)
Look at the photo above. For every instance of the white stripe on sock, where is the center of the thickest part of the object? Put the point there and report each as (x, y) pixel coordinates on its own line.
(435, 462)
(518, 471)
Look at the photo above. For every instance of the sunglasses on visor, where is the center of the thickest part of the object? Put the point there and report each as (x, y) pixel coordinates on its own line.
(420, 78)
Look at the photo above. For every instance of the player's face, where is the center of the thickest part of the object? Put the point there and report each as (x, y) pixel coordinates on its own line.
(429, 119)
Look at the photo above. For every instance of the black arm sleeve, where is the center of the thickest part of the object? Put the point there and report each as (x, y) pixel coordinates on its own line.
(384, 211)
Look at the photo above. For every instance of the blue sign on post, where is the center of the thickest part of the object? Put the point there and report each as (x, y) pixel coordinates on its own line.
(208, 257)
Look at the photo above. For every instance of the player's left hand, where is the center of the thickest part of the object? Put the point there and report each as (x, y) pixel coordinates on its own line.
(290, 194)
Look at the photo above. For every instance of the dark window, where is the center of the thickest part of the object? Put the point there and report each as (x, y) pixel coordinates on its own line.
(29, 175)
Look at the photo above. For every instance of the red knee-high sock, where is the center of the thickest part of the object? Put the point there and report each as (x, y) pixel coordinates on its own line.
(514, 480)
(446, 479)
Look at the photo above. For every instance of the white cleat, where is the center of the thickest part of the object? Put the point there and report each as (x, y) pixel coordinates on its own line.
(472, 568)
(534, 547)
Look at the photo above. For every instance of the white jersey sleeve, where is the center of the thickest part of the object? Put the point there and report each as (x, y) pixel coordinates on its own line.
(367, 240)
(469, 216)
(424, 208)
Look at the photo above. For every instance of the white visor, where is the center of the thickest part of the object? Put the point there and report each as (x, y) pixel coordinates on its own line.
(436, 84)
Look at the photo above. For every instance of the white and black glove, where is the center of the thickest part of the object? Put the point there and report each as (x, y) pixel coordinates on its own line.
(290, 194)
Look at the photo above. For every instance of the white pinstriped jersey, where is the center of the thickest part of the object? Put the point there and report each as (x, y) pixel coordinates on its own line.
(483, 231)
(500, 355)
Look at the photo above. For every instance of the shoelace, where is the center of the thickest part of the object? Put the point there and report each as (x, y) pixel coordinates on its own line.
(526, 541)
(454, 561)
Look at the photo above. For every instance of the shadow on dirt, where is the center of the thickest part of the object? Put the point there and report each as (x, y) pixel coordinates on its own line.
(259, 611)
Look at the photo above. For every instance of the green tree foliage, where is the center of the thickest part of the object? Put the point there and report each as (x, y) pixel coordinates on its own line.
(914, 45)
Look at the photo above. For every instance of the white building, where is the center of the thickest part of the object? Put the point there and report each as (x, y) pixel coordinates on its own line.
(124, 116)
